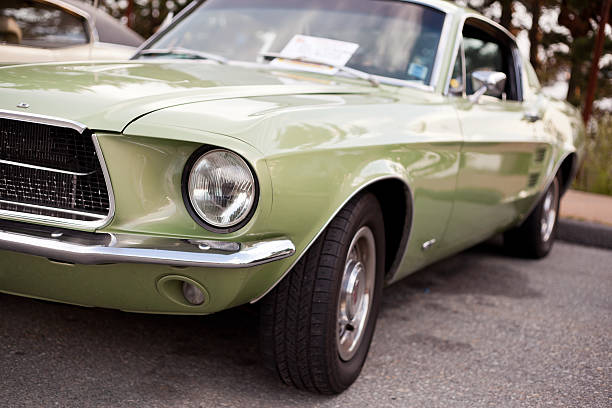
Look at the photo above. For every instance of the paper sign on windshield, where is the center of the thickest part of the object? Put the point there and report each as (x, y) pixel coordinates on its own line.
(319, 49)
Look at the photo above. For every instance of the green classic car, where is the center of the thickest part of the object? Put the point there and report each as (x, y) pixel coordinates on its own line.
(299, 154)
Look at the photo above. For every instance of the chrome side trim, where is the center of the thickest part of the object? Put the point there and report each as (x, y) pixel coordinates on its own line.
(42, 119)
(123, 248)
(31, 166)
(402, 250)
(442, 46)
(428, 244)
(458, 45)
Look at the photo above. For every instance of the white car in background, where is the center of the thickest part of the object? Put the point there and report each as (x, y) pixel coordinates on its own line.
(61, 30)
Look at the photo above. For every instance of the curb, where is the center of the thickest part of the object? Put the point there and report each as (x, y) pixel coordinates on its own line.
(585, 233)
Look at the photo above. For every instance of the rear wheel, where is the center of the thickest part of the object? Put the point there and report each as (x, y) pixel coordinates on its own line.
(317, 324)
(535, 236)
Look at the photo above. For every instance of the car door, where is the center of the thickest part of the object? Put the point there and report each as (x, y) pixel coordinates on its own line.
(500, 156)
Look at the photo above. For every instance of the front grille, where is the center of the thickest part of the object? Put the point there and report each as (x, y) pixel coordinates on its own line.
(51, 171)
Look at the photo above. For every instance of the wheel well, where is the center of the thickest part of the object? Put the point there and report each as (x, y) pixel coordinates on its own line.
(568, 171)
(395, 200)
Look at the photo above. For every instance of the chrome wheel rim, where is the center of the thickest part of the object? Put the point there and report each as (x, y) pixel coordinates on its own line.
(356, 292)
(549, 211)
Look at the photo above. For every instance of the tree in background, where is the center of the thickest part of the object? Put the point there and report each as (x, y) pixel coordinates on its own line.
(143, 16)
(563, 52)
(581, 18)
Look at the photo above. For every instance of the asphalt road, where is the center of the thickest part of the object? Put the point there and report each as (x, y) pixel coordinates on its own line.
(477, 330)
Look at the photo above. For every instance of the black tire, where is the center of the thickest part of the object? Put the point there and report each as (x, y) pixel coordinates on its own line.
(529, 239)
(299, 318)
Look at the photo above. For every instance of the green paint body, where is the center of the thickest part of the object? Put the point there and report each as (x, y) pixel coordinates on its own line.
(314, 142)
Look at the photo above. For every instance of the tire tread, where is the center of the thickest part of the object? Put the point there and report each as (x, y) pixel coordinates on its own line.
(294, 315)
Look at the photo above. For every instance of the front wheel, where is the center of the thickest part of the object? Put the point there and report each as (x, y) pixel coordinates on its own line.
(535, 236)
(317, 324)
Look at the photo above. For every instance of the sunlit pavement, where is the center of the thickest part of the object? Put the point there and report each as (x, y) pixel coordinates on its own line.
(590, 207)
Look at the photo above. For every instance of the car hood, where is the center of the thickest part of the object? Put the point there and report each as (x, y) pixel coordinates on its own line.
(110, 95)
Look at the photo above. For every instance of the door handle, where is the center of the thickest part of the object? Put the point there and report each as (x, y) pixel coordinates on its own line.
(532, 117)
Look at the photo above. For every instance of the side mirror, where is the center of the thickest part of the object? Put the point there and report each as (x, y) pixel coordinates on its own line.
(487, 82)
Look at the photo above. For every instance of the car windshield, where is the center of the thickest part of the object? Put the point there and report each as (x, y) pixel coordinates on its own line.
(393, 39)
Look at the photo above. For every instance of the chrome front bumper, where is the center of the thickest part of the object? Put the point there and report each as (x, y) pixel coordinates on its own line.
(102, 248)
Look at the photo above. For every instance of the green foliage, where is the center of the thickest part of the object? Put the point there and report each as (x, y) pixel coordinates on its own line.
(596, 173)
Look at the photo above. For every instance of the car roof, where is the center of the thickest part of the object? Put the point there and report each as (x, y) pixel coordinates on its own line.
(444, 5)
(108, 29)
(462, 12)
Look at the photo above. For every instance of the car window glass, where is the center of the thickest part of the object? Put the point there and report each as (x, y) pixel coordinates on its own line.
(481, 56)
(456, 82)
(396, 39)
(30, 23)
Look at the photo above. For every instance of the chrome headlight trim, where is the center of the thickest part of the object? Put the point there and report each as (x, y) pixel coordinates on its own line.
(197, 213)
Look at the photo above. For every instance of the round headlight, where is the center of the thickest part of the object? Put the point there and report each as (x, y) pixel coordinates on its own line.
(221, 188)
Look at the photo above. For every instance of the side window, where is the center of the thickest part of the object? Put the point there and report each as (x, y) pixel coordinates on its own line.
(481, 56)
(489, 50)
(456, 86)
(34, 24)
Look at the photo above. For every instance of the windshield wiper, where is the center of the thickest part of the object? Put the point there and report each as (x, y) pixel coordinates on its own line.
(184, 52)
(351, 71)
